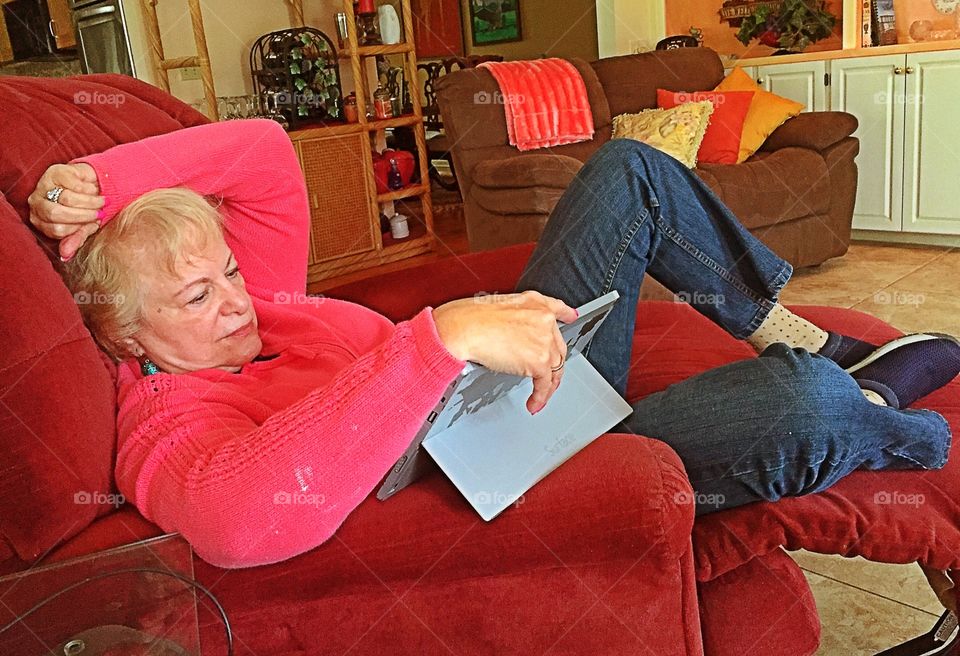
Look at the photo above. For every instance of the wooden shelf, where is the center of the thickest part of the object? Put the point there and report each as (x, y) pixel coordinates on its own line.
(407, 192)
(373, 51)
(338, 164)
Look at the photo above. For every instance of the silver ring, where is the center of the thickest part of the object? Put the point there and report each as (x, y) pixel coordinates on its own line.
(559, 366)
(54, 194)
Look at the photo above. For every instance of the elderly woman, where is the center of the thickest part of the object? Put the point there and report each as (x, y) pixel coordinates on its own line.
(235, 387)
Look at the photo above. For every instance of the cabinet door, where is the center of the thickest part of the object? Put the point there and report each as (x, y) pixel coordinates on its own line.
(749, 70)
(869, 89)
(340, 189)
(803, 82)
(61, 23)
(931, 162)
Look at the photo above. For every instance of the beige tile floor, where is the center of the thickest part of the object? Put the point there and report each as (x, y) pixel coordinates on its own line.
(867, 607)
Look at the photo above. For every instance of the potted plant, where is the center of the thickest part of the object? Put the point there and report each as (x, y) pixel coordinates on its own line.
(791, 26)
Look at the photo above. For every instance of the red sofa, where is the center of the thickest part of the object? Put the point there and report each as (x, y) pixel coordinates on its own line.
(602, 557)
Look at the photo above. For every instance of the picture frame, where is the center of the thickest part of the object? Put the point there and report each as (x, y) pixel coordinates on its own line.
(495, 21)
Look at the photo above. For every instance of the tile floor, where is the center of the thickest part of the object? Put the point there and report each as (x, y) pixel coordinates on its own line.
(867, 607)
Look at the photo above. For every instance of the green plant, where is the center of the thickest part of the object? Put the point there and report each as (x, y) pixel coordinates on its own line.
(791, 25)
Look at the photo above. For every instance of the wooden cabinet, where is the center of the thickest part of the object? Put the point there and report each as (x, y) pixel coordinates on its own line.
(909, 161)
(61, 24)
(337, 163)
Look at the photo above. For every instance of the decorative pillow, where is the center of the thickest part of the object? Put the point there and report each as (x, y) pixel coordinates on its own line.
(678, 131)
(768, 111)
(58, 410)
(721, 143)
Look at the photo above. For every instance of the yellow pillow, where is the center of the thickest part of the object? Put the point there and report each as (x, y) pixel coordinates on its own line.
(677, 131)
(768, 111)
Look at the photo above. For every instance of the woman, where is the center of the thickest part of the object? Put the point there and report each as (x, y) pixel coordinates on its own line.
(236, 391)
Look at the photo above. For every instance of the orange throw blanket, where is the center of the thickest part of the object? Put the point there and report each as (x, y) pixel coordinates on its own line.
(545, 101)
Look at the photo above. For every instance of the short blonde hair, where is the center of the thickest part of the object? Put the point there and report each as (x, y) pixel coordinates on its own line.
(103, 275)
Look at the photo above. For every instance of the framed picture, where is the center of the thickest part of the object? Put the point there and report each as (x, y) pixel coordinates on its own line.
(495, 21)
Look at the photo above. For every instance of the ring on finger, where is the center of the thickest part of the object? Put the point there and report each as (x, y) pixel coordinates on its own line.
(54, 194)
(559, 366)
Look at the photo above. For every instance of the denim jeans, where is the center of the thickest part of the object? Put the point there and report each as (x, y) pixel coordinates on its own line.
(784, 424)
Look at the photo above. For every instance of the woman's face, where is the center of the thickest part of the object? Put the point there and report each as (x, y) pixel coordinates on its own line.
(200, 318)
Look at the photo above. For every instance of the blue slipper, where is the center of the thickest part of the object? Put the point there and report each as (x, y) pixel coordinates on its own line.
(908, 368)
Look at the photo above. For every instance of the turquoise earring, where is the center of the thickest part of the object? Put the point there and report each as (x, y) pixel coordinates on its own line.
(148, 368)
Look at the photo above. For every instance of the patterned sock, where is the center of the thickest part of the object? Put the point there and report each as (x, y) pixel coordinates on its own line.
(782, 325)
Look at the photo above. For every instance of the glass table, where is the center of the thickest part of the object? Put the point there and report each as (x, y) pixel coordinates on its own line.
(128, 613)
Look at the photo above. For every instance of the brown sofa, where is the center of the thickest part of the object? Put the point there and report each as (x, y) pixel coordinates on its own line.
(796, 194)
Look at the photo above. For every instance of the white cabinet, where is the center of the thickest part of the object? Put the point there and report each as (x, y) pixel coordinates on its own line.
(931, 144)
(909, 162)
(804, 82)
(868, 88)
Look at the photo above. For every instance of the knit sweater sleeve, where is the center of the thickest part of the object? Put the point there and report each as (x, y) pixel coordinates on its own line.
(245, 494)
(251, 166)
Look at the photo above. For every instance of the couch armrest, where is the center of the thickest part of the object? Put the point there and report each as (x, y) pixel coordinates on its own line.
(553, 171)
(813, 130)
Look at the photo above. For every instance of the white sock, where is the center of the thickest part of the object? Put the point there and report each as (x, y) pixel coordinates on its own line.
(873, 397)
(782, 325)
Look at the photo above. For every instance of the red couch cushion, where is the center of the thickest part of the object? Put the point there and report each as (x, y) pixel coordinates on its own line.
(721, 143)
(57, 396)
(673, 342)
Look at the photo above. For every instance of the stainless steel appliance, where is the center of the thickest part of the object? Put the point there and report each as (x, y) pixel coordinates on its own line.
(102, 38)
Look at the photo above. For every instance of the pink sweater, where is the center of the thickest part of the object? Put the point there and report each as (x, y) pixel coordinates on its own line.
(257, 466)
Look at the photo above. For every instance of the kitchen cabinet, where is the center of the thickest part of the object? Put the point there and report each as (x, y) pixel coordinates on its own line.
(909, 160)
(61, 24)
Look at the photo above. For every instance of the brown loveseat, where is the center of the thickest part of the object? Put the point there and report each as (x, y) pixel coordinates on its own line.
(796, 194)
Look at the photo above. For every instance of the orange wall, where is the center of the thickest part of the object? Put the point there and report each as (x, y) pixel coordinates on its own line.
(911, 10)
(682, 14)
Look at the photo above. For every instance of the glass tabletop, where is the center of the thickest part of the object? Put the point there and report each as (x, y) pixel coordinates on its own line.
(128, 613)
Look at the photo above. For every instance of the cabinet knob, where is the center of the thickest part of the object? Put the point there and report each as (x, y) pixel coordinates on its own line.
(759, 80)
(909, 70)
(898, 70)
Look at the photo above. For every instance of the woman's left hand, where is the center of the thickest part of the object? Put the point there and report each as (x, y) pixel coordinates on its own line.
(75, 216)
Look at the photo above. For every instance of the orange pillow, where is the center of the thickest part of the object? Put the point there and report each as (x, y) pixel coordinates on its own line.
(721, 143)
(768, 111)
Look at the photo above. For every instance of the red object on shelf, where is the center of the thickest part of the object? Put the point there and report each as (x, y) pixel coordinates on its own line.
(381, 167)
(366, 7)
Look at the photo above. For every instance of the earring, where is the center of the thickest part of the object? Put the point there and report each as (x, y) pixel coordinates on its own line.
(148, 367)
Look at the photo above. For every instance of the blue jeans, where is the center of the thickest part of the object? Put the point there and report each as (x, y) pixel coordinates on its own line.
(784, 424)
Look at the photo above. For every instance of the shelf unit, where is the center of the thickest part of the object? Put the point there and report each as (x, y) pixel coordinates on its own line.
(338, 166)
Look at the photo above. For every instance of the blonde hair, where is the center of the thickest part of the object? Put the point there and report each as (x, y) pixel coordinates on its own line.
(104, 276)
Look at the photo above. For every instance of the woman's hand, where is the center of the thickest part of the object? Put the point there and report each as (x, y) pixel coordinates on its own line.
(943, 587)
(75, 216)
(511, 333)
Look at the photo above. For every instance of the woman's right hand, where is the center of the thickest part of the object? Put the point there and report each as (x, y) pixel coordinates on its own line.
(76, 215)
(511, 333)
